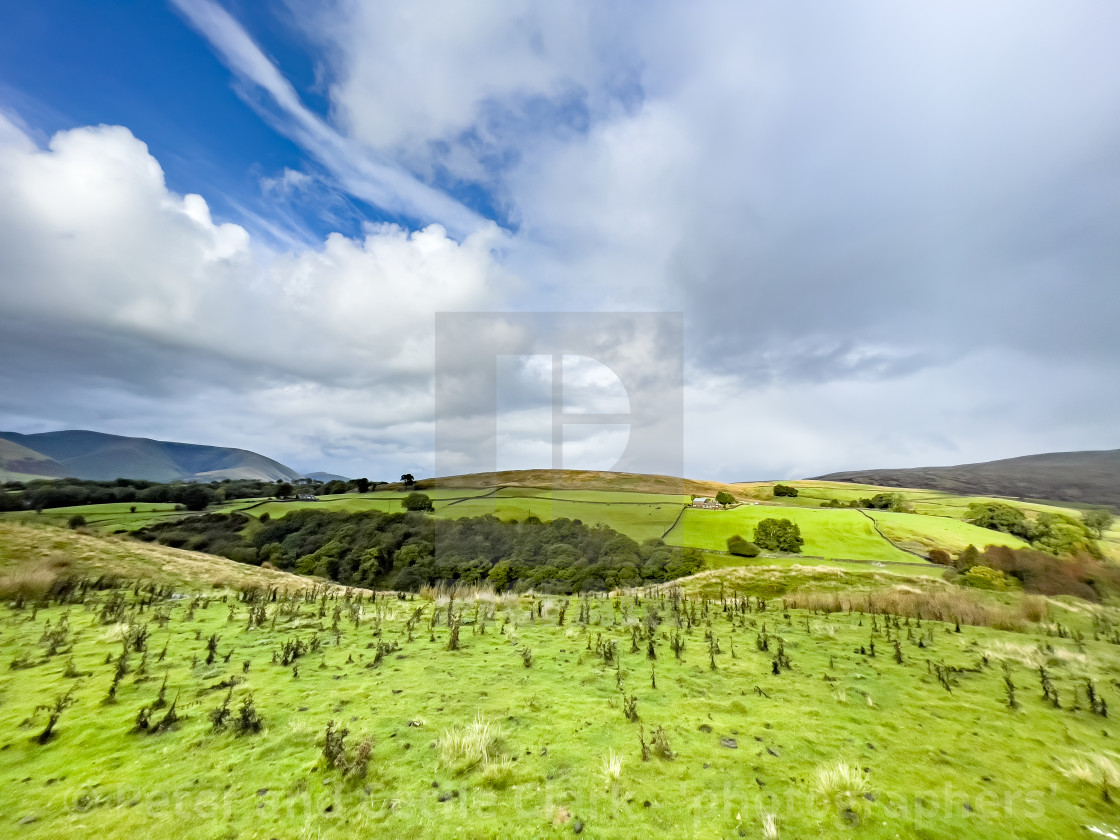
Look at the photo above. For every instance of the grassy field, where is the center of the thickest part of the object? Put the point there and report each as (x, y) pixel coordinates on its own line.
(633, 506)
(922, 533)
(828, 533)
(638, 515)
(43, 552)
(107, 517)
(812, 736)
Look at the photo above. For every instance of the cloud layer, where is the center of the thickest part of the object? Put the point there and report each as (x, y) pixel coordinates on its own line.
(892, 231)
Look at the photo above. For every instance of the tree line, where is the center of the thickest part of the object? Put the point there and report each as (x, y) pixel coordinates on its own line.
(74, 492)
(405, 551)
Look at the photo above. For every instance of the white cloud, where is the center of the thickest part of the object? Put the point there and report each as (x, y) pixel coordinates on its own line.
(95, 249)
(889, 226)
(425, 71)
(366, 176)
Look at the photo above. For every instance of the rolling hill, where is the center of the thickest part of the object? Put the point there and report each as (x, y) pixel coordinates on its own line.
(1091, 477)
(18, 462)
(102, 457)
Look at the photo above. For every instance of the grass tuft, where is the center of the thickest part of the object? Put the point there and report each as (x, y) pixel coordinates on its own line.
(470, 745)
(612, 767)
(840, 783)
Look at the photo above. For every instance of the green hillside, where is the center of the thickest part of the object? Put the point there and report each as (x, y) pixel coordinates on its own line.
(496, 716)
(847, 689)
(832, 535)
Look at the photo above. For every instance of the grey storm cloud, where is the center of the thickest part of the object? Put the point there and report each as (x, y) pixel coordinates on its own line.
(892, 230)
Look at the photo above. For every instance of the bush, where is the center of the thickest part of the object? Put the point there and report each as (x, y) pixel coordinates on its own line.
(742, 548)
(76, 521)
(353, 764)
(983, 577)
(417, 502)
(1041, 573)
(785, 490)
(778, 535)
(940, 556)
(887, 501)
(248, 720)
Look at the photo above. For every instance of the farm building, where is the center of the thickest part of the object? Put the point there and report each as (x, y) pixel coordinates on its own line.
(705, 503)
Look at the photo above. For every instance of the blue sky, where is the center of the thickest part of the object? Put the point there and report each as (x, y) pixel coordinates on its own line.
(142, 65)
(878, 221)
(73, 64)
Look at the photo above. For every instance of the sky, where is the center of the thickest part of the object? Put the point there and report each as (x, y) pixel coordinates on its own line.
(891, 231)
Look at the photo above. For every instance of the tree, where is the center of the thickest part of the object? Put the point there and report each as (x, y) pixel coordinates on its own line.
(997, 516)
(887, 501)
(362, 484)
(982, 577)
(785, 490)
(1098, 521)
(197, 498)
(741, 548)
(968, 557)
(417, 502)
(1063, 535)
(500, 575)
(283, 490)
(724, 498)
(408, 479)
(778, 535)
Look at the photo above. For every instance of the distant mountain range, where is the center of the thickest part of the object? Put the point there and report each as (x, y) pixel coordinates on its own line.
(325, 476)
(100, 457)
(1081, 477)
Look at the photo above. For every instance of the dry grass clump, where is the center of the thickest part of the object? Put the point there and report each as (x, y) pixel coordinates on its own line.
(26, 551)
(953, 605)
(1033, 656)
(840, 783)
(612, 767)
(470, 745)
(31, 583)
(1099, 769)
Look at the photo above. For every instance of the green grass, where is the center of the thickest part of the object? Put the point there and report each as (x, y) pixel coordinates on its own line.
(636, 520)
(921, 533)
(107, 517)
(638, 515)
(799, 749)
(723, 560)
(831, 534)
(828, 533)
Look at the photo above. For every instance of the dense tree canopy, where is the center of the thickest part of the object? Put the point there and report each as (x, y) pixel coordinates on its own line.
(408, 550)
(1054, 533)
(778, 535)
